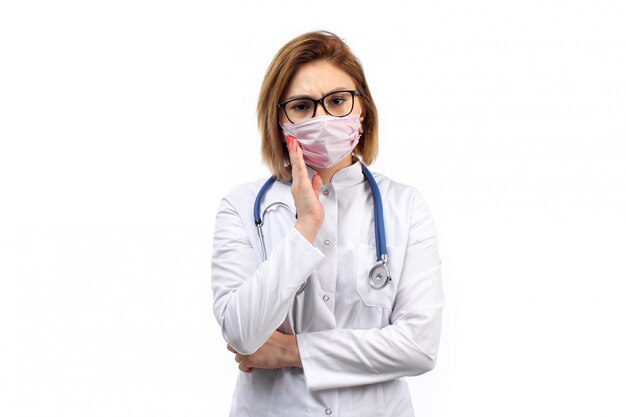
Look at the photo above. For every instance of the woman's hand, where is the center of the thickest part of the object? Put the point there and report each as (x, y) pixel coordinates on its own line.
(280, 351)
(305, 193)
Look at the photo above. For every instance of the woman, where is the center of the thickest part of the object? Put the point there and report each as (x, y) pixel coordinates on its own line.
(312, 330)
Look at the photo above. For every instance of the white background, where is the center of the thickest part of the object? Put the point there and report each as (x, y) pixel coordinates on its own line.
(123, 123)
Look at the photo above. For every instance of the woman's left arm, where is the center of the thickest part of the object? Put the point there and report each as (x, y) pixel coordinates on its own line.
(406, 347)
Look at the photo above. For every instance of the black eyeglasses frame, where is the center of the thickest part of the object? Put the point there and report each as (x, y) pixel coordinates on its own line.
(320, 101)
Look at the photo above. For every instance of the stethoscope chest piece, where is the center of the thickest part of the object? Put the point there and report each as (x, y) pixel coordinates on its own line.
(379, 276)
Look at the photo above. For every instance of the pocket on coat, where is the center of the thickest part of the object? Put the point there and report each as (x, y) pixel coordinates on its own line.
(365, 260)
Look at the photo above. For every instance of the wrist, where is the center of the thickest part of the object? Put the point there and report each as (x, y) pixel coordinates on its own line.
(308, 229)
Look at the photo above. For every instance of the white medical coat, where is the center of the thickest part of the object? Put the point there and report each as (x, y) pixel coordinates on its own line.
(356, 343)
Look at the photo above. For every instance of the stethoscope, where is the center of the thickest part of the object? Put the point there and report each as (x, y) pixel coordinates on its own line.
(379, 275)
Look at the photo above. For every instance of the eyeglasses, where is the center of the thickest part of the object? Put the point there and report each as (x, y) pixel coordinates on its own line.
(338, 103)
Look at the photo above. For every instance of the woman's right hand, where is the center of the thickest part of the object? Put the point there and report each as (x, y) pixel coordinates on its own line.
(305, 193)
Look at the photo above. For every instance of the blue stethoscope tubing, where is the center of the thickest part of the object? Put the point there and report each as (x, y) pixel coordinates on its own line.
(379, 275)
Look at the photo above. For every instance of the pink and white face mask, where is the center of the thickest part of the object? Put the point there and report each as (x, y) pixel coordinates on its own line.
(325, 140)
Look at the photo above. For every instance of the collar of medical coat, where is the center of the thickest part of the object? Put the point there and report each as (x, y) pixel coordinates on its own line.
(345, 177)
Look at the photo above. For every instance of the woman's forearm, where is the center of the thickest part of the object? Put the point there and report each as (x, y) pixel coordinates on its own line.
(252, 299)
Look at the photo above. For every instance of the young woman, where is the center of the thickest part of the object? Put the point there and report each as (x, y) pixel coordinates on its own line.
(326, 277)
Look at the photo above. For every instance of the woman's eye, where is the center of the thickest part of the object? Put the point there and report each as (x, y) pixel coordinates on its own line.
(301, 106)
(338, 100)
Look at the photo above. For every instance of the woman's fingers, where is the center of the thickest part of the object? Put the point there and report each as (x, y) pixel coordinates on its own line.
(292, 158)
(243, 363)
(305, 195)
(304, 173)
(238, 356)
(242, 360)
(316, 183)
(291, 149)
(245, 368)
(298, 167)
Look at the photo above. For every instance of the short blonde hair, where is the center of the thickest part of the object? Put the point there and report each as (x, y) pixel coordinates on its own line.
(311, 46)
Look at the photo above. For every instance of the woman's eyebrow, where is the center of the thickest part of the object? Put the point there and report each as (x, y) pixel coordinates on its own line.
(307, 96)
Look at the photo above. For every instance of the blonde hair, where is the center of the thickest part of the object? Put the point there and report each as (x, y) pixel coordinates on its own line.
(311, 46)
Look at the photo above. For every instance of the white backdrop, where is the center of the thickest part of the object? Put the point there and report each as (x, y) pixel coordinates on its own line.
(122, 124)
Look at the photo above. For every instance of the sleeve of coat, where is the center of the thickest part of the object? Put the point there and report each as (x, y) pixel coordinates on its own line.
(252, 299)
(408, 346)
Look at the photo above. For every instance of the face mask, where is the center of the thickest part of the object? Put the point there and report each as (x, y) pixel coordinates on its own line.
(325, 140)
